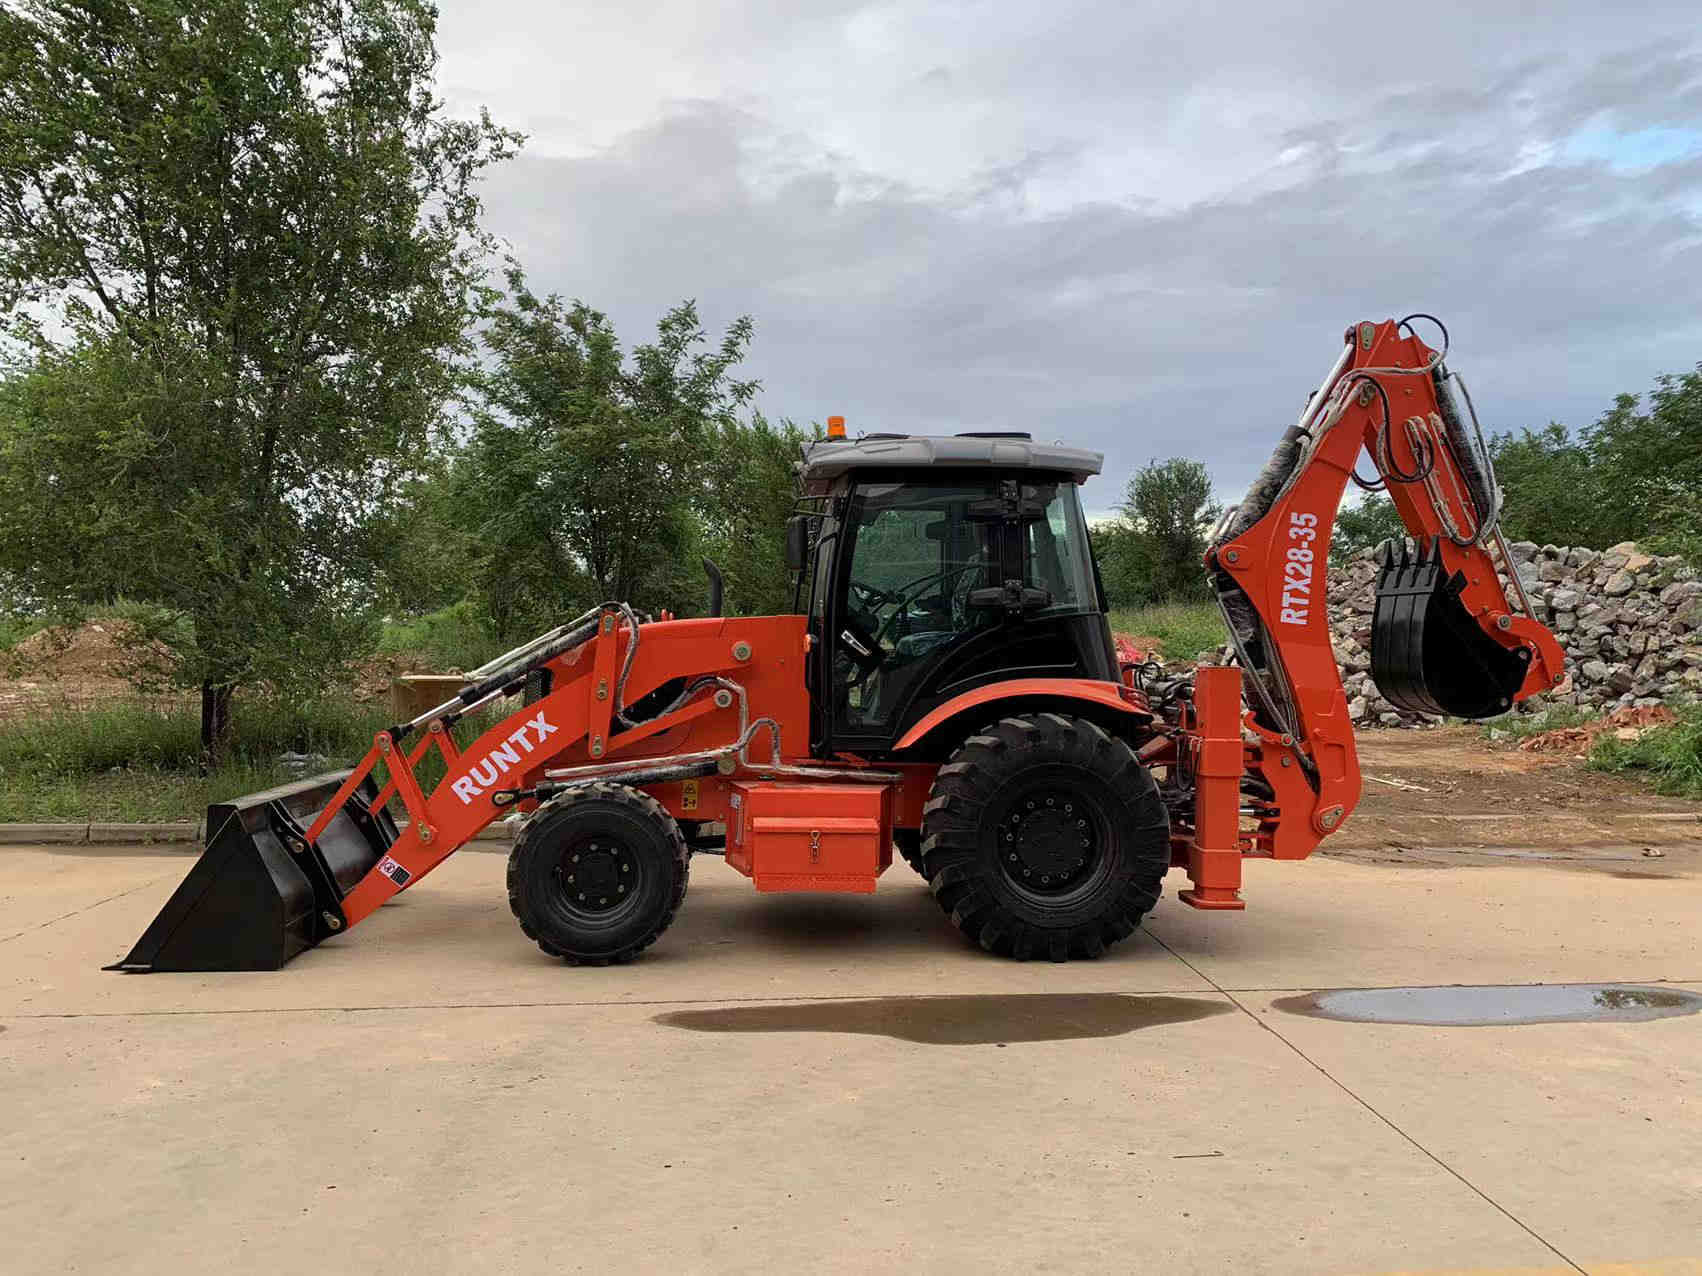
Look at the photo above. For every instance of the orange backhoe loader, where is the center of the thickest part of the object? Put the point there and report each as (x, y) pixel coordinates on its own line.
(948, 685)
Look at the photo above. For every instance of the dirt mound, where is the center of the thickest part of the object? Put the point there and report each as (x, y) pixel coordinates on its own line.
(375, 674)
(1624, 724)
(94, 649)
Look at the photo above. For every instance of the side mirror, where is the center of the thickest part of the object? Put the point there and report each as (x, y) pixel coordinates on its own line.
(797, 542)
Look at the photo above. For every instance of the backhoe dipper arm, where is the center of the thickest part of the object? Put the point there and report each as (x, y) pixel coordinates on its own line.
(1446, 638)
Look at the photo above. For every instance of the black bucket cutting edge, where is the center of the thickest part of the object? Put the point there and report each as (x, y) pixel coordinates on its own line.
(1427, 653)
(251, 902)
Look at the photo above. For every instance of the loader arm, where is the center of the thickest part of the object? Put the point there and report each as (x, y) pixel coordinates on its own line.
(1447, 638)
(289, 867)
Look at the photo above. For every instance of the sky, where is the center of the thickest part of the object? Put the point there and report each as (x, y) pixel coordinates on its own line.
(1137, 227)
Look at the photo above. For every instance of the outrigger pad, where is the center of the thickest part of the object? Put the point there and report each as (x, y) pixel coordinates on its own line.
(1427, 653)
(250, 902)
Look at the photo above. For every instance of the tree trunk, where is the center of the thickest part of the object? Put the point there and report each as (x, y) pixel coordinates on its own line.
(215, 724)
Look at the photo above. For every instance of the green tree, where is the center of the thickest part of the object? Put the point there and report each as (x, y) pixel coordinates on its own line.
(1371, 522)
(239, 247)
(1635, 474)
(1125, 558)
(585, 478)
(749, 490)
(1153, 552)
(1554, 493)
(1648, 466)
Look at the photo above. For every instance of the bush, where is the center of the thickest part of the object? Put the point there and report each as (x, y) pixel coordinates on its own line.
(14, 629)
(453, 637)
(1670, 756)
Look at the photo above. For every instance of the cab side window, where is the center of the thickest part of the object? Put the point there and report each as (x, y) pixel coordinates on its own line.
(919, 552)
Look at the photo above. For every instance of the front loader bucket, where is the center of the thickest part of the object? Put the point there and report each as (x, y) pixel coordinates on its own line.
(253, 901)
(1428, 655)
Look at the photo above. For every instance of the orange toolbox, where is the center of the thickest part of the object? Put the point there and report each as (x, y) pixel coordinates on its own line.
(810, 837)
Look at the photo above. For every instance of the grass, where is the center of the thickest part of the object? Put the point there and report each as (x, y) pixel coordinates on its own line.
(139, 763)
(1183, 630)
(1669, 757)
(135, 761)
(129, 795)
(1521, 726)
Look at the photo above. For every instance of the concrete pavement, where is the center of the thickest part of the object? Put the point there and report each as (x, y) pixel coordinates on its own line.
(790, 1083)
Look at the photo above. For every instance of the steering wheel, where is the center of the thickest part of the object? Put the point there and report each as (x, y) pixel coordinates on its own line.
(869, 597)
(907, 593)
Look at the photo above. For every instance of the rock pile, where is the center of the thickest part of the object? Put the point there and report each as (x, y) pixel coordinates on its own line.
(1629, 622)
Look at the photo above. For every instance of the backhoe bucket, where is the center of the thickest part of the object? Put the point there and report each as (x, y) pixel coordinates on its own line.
(260, 894)
(1428, 655)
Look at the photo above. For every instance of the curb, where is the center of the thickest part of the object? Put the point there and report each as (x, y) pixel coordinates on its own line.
(95, 833)
(92, 833)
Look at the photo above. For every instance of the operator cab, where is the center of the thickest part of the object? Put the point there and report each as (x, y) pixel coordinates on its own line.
(938, 565)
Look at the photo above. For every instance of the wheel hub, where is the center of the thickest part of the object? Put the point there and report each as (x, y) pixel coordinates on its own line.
(1046, 841)
(597, 876)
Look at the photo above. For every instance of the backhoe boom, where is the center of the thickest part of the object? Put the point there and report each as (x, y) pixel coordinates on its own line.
(1447, 637)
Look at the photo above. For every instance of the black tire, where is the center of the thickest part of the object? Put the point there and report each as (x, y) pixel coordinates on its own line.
(631, 864)
(909, 844)
(1045, 837)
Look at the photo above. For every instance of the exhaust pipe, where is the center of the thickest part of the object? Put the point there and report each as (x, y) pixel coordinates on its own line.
(714, 573)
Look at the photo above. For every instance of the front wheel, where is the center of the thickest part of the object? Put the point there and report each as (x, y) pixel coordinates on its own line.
(1044, 836)
(597, 874)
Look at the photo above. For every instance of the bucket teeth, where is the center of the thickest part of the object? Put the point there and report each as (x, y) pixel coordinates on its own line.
(1428, 655)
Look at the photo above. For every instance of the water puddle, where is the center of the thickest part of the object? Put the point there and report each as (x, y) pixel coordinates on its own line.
(959, 1021)
(1485, 1006)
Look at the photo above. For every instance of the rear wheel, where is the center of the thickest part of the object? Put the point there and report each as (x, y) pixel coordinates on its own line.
(1044, 836)
(597, 874)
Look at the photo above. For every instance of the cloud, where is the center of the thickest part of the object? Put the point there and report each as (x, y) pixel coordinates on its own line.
(1141, 232)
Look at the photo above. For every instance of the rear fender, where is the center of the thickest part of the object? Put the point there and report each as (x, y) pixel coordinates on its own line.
(1107, 703)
